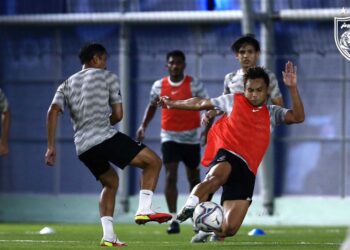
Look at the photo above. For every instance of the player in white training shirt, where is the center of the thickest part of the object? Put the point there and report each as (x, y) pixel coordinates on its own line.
(94, 101)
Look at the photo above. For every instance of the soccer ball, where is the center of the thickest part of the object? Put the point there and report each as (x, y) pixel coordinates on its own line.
(208, 216)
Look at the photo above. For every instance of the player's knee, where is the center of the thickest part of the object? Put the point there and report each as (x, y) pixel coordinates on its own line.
(214, 181)
(147, 159)
(154, 162)
(110, 181)
(230, 230)
(114, 185)
(157, 162)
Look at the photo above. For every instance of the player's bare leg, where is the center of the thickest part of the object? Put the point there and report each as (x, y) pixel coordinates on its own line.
(216, 177)
(234, 214)
(151, 164)
(110, 182)
(171, 192)
(193, 177)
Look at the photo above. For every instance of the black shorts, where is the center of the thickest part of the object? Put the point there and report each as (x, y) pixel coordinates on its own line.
(189, 154)
(240, 184)
(119, 149)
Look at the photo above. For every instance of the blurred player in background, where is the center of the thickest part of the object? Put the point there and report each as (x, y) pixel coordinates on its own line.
(247, 52)
(5, 124)
(180, 135)
(93, 98)
(237, 143)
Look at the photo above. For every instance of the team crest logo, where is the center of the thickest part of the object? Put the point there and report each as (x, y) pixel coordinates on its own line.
(342, 35)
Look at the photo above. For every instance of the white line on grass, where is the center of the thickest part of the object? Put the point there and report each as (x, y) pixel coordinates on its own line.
(41, 241)
(280, 243)
(240, 243)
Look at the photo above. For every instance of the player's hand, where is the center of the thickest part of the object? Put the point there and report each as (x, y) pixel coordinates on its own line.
(140, 133)
(165, 102)
(290, 75)
(50, 156)
(4, 149)
(207, 117)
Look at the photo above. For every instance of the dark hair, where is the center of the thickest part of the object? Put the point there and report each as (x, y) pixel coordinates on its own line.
(246, 39)
(254, 73)
(177, 53)
(88, 51)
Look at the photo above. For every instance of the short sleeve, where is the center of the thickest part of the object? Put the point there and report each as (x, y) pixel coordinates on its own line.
(198, 89)
(226, 85)
(277, 114)
(155, 92)
(59, 97)
(223, 103)
(114, 89)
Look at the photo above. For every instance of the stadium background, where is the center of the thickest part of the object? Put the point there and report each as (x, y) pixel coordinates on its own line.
(39, 44)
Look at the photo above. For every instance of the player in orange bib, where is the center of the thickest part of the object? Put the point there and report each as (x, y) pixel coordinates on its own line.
(237, 143)
(180, 129)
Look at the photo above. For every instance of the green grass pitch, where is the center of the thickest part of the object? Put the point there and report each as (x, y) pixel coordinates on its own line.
(153, 237)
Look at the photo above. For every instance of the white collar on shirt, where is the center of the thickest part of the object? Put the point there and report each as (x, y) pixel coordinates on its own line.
(175, 84)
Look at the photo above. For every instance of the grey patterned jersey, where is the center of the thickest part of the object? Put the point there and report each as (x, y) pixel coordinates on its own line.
(234, 83)
(3, 102)
(88, 95)
(225, 103)
(189, 136)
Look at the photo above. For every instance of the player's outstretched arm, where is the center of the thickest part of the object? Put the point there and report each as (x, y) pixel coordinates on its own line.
(52, 117)
(195, 103)
(296, 114)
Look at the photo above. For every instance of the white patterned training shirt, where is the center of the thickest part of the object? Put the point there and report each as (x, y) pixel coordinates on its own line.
(88, 95)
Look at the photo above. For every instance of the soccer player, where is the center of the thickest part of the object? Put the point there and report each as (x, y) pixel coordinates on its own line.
(247, 52)
(5, 124)
(237, 143)
(93, 98)
(179, 128)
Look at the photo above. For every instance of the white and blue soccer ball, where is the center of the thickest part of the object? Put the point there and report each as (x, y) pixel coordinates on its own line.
(208, 216)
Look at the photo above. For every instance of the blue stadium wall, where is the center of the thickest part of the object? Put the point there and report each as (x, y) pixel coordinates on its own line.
(309, 157)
